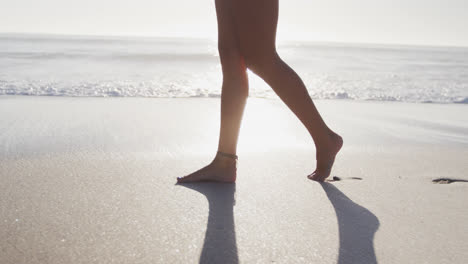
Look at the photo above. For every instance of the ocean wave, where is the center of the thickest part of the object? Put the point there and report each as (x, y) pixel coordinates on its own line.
(164, 67)
(186, 89)
(462, 101)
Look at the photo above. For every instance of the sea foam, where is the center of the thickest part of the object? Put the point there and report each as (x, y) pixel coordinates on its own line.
(45, 65)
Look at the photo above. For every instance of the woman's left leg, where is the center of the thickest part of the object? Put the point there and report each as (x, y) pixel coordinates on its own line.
(234, 95)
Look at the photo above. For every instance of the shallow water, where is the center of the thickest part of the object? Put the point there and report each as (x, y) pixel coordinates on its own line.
(164, 67)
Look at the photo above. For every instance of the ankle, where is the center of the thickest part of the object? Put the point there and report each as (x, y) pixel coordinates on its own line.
(226, 155)
(225, 160)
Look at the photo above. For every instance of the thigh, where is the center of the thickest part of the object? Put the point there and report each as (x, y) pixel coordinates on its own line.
(228, 40)
(256, 22)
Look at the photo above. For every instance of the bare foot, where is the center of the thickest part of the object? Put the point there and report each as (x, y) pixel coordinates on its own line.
(326, 157)
(221, 169)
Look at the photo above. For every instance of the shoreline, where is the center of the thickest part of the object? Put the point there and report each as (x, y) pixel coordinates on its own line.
(460, 102)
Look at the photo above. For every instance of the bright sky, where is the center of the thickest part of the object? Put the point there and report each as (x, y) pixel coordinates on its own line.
(427, 22)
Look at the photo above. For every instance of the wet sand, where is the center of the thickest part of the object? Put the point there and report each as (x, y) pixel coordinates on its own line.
(92, 180)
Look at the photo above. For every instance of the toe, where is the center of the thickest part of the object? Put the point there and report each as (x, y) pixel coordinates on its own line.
(185, 179)
(180, 179)
(310, 176)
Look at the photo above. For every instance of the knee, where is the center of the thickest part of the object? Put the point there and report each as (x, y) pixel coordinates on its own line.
(228, 51)
(261, 63)
(231, 59)
(235, 82)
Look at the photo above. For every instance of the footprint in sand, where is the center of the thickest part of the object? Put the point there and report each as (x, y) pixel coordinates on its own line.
(336, 178)
(447, 180)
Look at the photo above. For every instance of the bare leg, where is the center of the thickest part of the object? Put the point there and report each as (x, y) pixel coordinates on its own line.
(233, 99)
(256, 22)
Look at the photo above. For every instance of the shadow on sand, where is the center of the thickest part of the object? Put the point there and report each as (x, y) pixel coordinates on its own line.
(356, 224)
(220, 237)
(357, 227)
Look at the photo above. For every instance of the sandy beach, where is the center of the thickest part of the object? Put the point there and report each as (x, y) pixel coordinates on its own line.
(92, 180)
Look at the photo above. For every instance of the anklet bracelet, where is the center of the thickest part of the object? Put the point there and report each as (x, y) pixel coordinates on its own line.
(232, 156)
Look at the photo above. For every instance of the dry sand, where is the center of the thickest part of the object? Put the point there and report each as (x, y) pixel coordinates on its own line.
(92, 180)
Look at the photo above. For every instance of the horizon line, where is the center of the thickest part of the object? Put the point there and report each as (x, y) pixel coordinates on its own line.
(306, 41)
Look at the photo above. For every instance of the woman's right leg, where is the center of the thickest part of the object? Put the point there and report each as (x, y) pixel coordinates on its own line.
(234, 94)
(256, 22)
